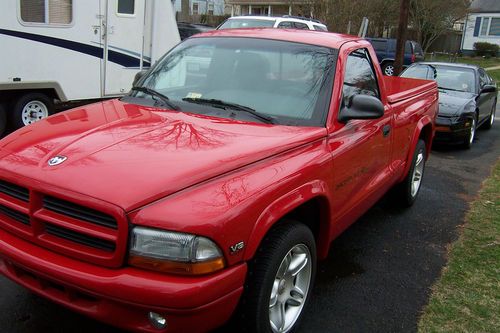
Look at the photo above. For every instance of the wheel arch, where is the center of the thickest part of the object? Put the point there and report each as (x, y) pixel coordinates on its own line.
(425, 131)
(52, 90)
(307, 204)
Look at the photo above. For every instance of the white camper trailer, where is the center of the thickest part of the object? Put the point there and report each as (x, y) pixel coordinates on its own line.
(66, 50)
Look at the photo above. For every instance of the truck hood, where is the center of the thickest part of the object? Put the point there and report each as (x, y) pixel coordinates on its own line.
(131, 155)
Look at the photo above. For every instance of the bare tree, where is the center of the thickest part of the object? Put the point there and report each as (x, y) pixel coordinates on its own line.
(431, 18)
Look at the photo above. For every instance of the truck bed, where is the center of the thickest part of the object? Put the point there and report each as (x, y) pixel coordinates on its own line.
(398, 88)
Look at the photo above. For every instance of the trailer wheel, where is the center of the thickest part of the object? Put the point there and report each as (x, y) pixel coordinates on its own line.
(30, 108)
(280, 280)
(3, 120)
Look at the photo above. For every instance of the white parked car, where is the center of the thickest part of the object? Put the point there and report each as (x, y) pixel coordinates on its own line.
(284, 22)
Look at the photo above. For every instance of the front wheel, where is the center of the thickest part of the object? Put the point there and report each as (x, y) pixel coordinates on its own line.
(280, 280)
(469, 139)
(491, 119)
(407, 191)
(30, 108)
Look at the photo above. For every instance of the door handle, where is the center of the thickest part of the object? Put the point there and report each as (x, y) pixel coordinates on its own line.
(386, 130)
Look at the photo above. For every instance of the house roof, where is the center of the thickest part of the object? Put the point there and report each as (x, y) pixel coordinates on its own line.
(485, 6)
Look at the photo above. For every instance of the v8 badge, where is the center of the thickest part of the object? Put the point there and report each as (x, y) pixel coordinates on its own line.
(236, 247)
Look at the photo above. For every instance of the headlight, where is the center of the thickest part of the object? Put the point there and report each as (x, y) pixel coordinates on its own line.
(174, 252)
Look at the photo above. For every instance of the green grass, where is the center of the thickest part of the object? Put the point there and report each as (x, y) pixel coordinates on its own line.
(479, 61)
(495, 74)
(467, 296)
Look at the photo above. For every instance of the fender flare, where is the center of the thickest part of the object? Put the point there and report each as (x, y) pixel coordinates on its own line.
(284, 205)
(424, 121)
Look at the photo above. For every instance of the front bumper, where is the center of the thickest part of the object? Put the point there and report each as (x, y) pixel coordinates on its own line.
(123, 297)
(449, 131)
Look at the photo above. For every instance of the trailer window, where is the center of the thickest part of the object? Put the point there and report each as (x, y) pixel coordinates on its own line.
(47, 11)
(126, 7)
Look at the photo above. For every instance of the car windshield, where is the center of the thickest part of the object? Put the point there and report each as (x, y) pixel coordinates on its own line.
(247, 23)
(290, 83)
(447, 77)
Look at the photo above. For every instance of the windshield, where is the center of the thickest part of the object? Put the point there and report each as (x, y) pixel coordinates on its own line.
(447, 77)
(247, 23)
(288, 82)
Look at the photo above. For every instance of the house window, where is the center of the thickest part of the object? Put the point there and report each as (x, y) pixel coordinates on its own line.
(494, 27)
(126, 7)
(210, 9)
(484, 26)
(47, 11)
(195, 8)
(490, 26)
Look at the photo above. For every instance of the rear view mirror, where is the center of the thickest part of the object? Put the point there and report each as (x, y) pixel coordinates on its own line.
(488, 89)
(138, 76)
(362, 107)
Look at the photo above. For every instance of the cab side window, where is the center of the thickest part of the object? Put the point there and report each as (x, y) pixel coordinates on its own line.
(359, 77)
(286, 25)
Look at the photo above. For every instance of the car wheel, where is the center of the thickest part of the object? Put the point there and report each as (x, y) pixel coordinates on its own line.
(388, 68)
(279, 281)
(471, 135)
(30, 108)
(3, 120)
(489, 123)
(407, 191)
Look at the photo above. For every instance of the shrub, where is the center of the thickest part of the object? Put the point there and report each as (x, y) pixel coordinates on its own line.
(486, 49)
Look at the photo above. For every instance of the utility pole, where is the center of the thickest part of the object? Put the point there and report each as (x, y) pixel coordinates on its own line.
(401, 36)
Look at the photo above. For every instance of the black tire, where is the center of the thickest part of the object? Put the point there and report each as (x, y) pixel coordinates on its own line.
(253, 313)
(19, 120)
(388, 68)
(491, 119)
(3, 120)
(404, 191)
(469, 140)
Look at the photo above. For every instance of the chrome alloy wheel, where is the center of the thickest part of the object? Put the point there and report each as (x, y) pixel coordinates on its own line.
(389, 70)
(472, 131)
(492, 116)
(34, 111)
(290, 288)
(418, 172)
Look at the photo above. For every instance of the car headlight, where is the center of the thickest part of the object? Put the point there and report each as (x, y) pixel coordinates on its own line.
(174, 252)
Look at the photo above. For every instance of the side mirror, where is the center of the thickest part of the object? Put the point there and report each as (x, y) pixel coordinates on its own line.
(488, 89)
(138, 76)
(362, 107)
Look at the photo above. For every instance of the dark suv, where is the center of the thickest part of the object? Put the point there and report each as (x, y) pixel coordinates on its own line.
(386, 53)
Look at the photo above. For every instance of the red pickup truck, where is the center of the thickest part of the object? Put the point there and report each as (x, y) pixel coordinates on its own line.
(211, 190)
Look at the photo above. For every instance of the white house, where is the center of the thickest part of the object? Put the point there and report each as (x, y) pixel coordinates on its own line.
(201, 7)
(482, 24)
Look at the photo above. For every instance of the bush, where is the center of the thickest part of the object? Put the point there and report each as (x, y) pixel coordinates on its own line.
(486, 49)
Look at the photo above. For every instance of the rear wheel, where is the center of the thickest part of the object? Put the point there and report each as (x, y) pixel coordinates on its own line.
(407, 191)
(388, 68)
(489, 123)
(280, 280)
(30, 108)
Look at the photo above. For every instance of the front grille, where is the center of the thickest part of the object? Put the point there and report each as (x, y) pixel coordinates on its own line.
(15, 215)
(78, 212)
(96, 233)
(79, 238)
(15, 191)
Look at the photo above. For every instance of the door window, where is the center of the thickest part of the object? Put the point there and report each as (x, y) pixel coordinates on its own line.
(286, 25)
(359, 76)
(301, 26)
(483, 78)
(47, 11)
(126, 7)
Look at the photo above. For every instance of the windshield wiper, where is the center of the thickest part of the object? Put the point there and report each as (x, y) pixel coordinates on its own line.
(155, 93)
(233, 106)
(443, 88)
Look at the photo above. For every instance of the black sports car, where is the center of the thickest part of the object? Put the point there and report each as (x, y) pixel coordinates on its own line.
(467, 99)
